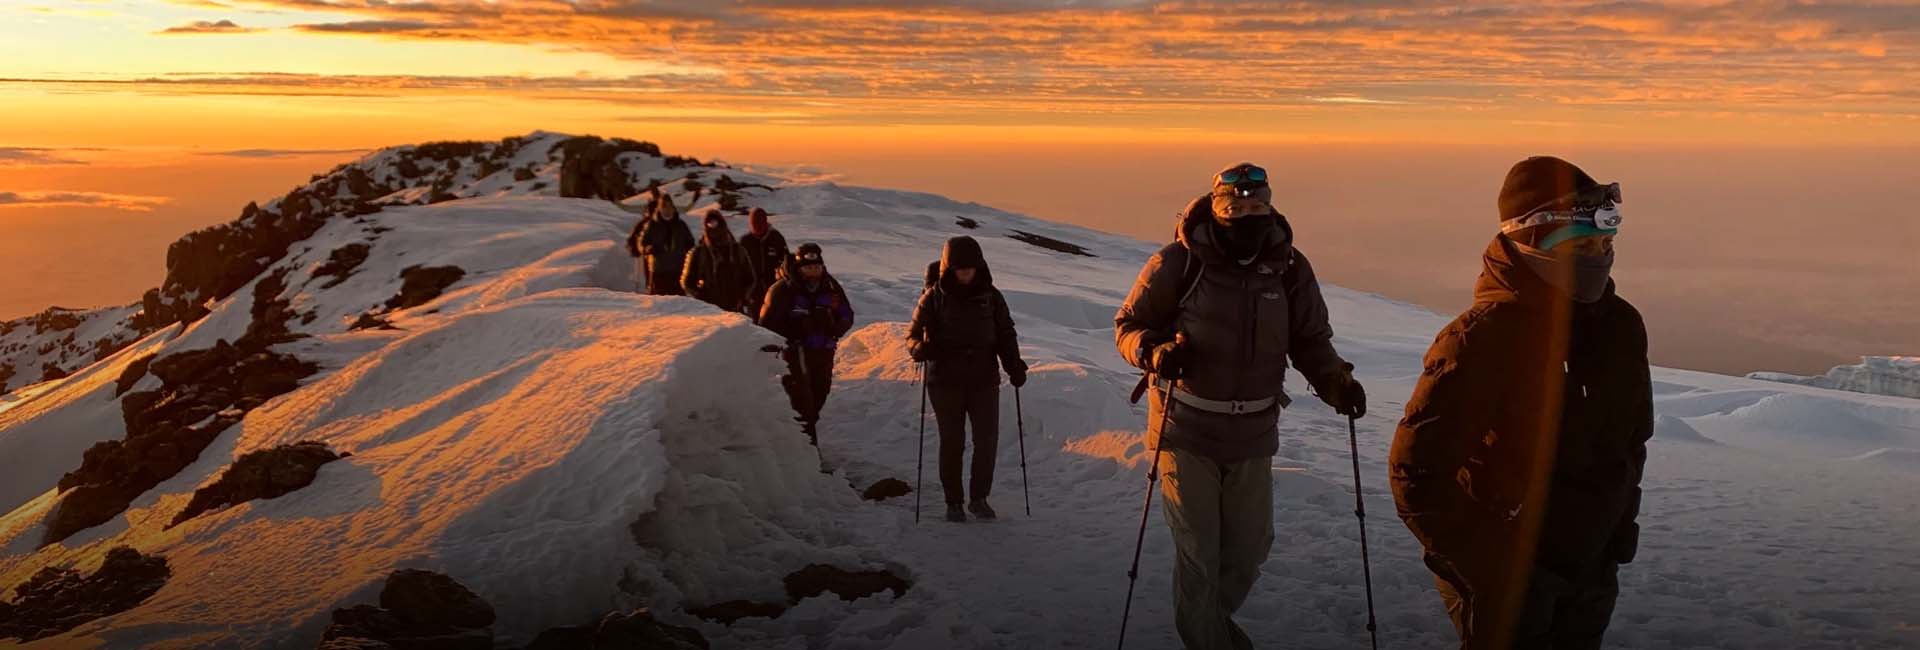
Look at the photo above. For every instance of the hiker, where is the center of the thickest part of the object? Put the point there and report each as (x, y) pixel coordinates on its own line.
(963, 331)
(767, 249)
(663, 242)
(808, 307)
(1214, 318)
(719, 270)
(1519, 461)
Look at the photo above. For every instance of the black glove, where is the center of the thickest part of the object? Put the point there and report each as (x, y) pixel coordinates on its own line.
(1169, 359)
(920, 351)
(1346, 396)
(1017, 374)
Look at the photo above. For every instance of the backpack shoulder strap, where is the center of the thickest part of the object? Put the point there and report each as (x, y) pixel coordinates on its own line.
(1190, 272)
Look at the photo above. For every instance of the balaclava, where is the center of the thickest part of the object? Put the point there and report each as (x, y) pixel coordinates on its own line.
(1242, 210)
(757, 222)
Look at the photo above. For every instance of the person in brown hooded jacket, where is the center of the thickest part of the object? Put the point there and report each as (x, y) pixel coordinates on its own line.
(660, 242)
(1214, 318)
(1518, 463)
(718, 270)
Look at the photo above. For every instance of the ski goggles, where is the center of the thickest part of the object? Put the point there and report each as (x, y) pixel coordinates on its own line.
(808, 257)
(1244, 179)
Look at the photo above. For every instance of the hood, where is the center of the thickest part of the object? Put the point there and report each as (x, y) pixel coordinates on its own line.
(716, 237)
(664, 209)
(757, 223)
(1193, 231)
(963, 251)
(1504, 277)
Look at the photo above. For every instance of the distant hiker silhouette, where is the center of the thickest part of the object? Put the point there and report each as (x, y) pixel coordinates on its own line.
(1519, 461)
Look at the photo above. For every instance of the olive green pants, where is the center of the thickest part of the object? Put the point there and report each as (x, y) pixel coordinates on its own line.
(1221, 515)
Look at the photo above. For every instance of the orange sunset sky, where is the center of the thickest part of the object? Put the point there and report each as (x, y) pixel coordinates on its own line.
(125, 123)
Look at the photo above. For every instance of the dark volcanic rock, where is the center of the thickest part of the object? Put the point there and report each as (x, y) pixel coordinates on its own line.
(419, 610)
(131, 375)
(428, 598)
(818, 579)
(371, 322)
(886, 488)
(56, 600)
(341, 263)
(1050, 243)
(263, 474)
(420, 284)
(590, 167)
(964, 222)
(202, 393)
(733, 610)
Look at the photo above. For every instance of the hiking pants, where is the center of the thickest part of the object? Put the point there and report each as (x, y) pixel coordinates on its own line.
(954, 405)
(1221, 515)
(809, 379)
(1552, 613)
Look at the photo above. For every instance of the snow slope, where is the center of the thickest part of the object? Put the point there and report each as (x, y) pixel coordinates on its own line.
(1898, 376)
(565, 448)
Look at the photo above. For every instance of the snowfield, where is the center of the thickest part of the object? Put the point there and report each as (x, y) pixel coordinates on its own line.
(565, 447)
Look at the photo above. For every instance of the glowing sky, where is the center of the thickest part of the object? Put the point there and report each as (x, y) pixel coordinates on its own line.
(1374, 70)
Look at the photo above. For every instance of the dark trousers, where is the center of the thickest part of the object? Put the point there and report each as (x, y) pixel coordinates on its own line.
(953, 407)
(809, 379)
(1541, 610)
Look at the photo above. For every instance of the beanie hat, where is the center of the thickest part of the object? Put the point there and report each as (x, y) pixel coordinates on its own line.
(809, 253)
(1229, 204)
(1541, 182)
(757, 222)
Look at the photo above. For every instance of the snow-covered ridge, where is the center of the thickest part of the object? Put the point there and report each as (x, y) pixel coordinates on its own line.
(1898, 376)
(532, 429)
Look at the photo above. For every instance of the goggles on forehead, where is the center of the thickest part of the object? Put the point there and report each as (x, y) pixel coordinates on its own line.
(1241, 174)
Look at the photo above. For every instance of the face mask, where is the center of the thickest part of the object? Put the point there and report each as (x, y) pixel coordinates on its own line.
(1243, 238)
(1583, 276)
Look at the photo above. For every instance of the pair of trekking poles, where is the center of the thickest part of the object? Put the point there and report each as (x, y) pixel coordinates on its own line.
(1153, 480)
(1020, 421)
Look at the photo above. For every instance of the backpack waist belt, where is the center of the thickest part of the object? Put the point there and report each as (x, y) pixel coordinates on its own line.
(1227, 407)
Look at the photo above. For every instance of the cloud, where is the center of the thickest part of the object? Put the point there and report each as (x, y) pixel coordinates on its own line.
(379, 27)
(49, 199)
(279, 153)
(208, 27)
(33, 156)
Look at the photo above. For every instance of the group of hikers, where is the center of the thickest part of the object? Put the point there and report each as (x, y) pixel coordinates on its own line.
(1516, 465)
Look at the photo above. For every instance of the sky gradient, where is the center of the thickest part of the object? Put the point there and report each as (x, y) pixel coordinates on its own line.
(1767, 145)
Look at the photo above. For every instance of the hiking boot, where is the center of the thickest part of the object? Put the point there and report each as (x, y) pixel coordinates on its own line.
(955, 514)
(980, 509)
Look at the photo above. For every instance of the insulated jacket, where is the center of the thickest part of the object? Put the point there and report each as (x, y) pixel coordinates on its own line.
(965, 332)
(719, 271)
(1529, 427)
(664, 241)
(812, 317)
(768, 254)
(1243, 324)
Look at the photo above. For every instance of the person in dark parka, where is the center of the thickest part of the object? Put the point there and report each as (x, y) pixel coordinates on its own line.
(719, 270)
(1519, 461)
(808, 307)
(767, 248)
(662, 242)
(964, 332)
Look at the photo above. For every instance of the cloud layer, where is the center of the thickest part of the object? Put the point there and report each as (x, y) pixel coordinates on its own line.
(207, 27)
(68, 199)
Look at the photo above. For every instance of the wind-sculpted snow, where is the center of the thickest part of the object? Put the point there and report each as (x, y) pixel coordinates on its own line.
(567, 449)
(1897, 376)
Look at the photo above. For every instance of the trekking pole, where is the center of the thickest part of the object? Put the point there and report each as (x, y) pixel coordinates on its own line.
(1153, 479)
(920, 468)
(1020, 421)
(1360, 511)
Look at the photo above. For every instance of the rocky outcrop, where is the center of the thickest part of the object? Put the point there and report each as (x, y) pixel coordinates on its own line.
(635, 630)
(56, 600)
(419, 610)
(818, 579)
(886, 488)
(1051, 244)
(131, 375)
(341, 263)
(263, 474)
(421, 284)
(590, 167)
